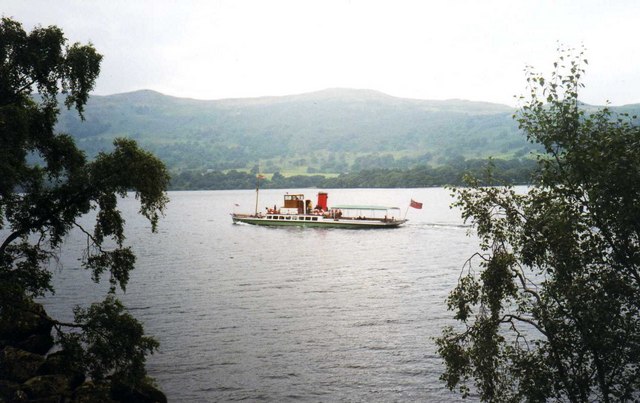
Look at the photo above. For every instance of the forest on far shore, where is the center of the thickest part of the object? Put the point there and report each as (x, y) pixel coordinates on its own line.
(502, 171)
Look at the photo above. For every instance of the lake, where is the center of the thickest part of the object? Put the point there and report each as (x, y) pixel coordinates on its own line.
(280, 314)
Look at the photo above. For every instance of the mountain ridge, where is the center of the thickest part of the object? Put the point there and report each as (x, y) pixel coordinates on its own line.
(337, 90)
(331, 130)
(324, 94)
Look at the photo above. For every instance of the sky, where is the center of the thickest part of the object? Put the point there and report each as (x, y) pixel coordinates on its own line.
(436, 50)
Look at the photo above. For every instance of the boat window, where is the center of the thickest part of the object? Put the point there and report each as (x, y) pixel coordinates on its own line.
(308, 218)
(300, 218)
(269, 217)
(315, 218)
(288, 218)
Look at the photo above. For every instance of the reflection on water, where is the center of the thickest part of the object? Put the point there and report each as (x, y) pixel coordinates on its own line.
(246, 312)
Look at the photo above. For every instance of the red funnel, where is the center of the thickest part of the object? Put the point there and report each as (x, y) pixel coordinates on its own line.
(322, 201)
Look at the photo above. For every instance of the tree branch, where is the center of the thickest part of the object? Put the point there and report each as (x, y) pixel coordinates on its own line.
(507, 318)
(89, 236)
(12, 237)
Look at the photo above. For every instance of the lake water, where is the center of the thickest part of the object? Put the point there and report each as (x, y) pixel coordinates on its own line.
(281, 314)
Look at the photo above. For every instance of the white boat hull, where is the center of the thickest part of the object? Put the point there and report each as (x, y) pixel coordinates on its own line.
(308, 220)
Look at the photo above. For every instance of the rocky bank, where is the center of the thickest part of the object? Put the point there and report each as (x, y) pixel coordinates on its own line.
(30, 371)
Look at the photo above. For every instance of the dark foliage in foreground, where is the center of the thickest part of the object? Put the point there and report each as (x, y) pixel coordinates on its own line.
(40, 203)
(549, 309)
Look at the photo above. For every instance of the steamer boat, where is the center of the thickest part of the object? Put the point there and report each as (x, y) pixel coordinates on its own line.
(297, 211)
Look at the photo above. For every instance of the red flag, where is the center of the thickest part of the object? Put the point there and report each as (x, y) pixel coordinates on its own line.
(415, 204)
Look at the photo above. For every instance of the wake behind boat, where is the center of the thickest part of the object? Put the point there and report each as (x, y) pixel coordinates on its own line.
(297, 211)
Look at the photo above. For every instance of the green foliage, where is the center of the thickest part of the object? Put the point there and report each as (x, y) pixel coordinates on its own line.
(46, 184)
(115, 342)
(506, 171)
(549, 309)
(334, 131)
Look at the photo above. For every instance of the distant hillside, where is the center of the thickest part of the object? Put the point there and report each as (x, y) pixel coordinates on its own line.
(334, 130)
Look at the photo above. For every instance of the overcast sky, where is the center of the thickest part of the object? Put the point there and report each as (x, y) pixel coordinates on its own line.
(473, 50)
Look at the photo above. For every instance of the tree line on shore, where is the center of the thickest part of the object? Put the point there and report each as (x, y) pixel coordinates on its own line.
(511, 171)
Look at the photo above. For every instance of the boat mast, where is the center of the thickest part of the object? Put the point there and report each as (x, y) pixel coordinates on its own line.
(258, 177)
(257, 190)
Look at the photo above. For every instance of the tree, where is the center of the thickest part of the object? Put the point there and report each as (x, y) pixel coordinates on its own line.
(550, 307)
(46, 184)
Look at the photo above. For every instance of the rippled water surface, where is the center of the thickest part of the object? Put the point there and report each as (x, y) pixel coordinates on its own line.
(258, 313)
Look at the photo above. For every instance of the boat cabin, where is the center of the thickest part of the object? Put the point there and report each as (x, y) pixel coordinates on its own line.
(295, 202)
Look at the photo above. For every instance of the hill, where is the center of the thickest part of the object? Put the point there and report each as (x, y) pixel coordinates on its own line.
(334, 130)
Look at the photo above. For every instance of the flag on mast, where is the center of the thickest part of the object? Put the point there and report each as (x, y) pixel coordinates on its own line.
(415, 204)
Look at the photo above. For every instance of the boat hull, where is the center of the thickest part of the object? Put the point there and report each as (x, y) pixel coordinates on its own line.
(316, 221)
